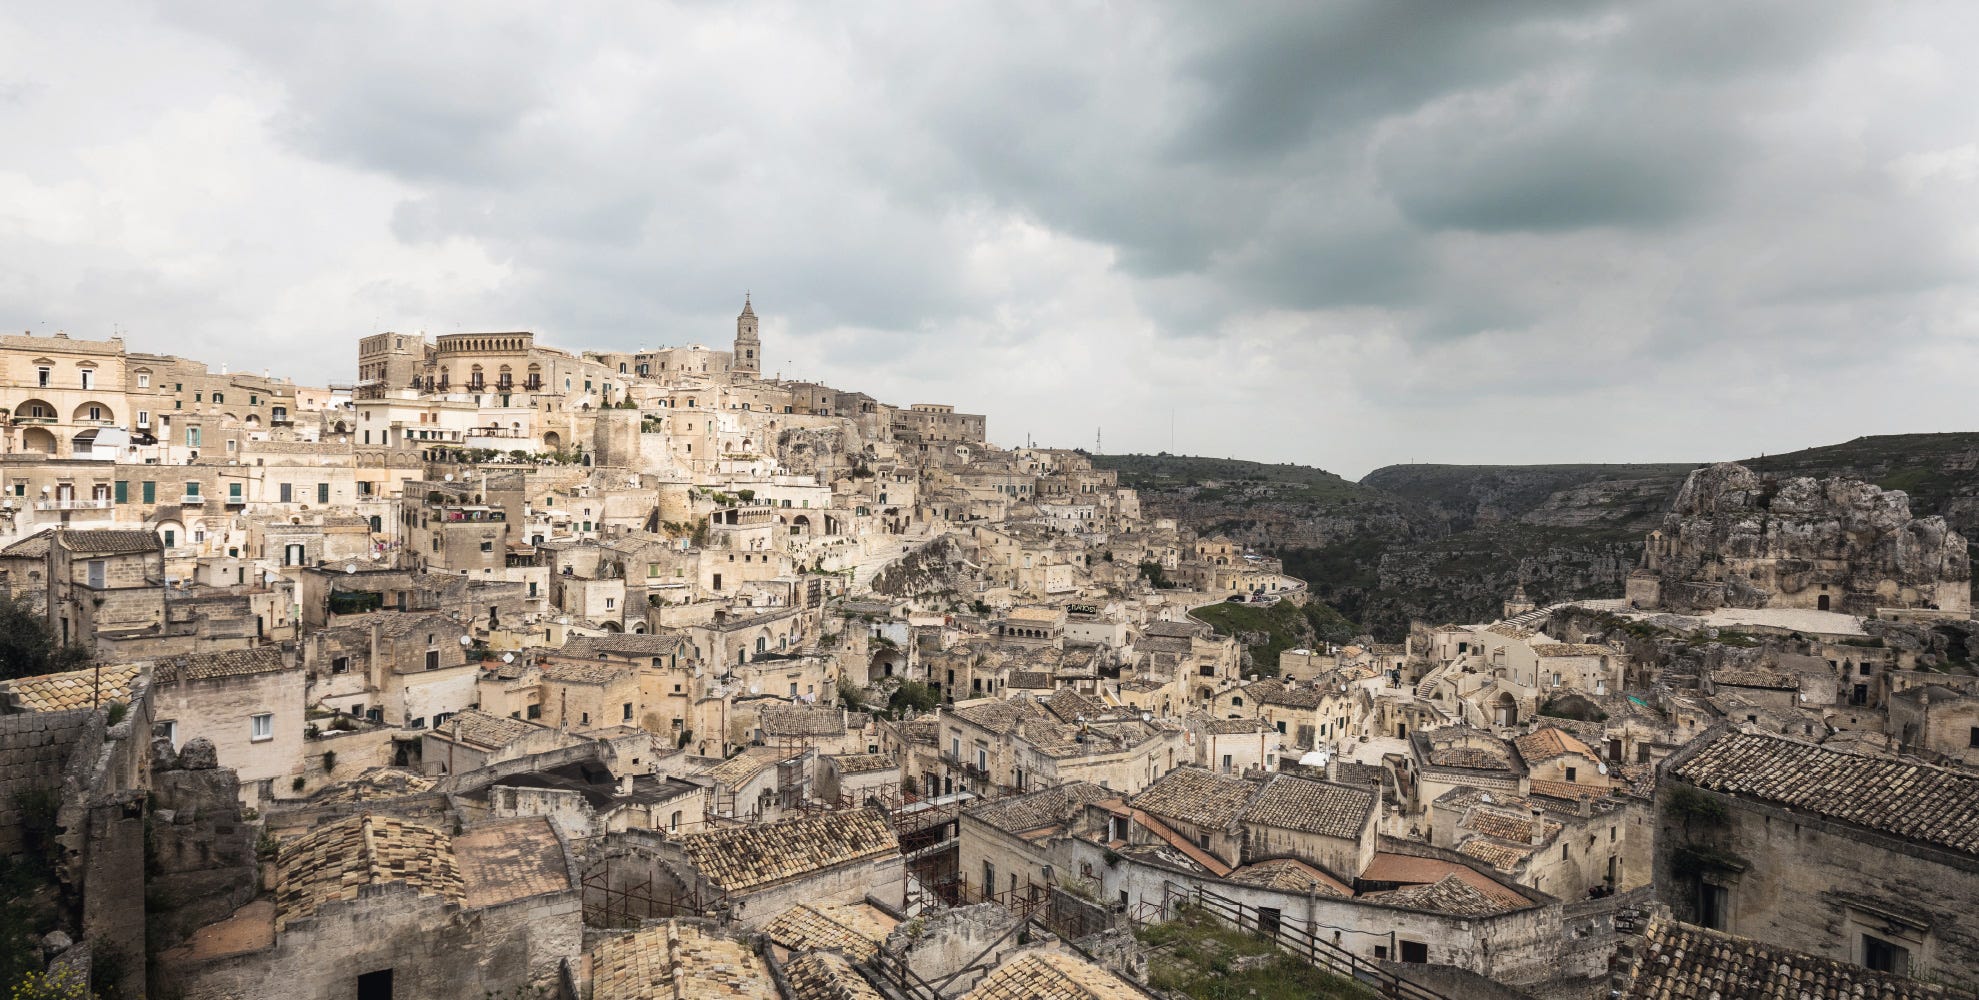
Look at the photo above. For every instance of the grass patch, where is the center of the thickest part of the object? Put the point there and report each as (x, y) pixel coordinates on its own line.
(1201, 957)
(1275, 628)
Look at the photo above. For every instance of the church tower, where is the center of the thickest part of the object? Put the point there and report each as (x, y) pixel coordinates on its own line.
(748, 350)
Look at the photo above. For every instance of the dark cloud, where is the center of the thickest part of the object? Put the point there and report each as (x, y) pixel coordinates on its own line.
(1527, 222)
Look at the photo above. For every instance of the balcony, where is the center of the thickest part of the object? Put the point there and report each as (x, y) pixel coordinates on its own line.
(192, 500)
(97, 503)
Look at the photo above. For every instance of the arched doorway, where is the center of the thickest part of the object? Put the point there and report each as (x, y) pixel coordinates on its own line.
(552, 440)
(1506, 711)
(1821, 603)
(800, 525)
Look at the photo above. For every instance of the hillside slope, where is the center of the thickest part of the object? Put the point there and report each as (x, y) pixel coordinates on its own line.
(1449, 542)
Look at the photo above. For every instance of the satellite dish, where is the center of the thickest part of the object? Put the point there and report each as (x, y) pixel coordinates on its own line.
(1485, 798)
(450, 477)
(350, 569)
(342, 440)
(465, 641)
(508, 657)
(1603, 768)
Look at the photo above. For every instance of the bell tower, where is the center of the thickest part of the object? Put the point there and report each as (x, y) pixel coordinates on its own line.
(748, 350)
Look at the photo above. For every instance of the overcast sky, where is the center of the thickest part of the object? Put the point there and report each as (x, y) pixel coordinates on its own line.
(1343, 234)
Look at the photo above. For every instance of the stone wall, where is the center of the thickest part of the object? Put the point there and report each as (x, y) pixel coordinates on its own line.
(34, 749)
(1816, 885)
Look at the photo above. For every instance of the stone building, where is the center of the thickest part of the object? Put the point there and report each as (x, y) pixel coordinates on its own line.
(248, 703)
(374, 906)
(1866, 860)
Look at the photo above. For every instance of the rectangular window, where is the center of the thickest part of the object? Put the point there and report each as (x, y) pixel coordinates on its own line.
(432, 659)
(1973, 740)
(1883, 956)
(322, 492)
(42, 374)
(96, 573)
(286, 492)
(123, 491)
(340, 665)
(171, 538)
(192, 488)
(487, 546)
(192, 437)
(233, 493)
(143, 380)
(610, 603)
(1571, 772)
(627, 712)
(1415, 951)
(144, 418)
(264, 727)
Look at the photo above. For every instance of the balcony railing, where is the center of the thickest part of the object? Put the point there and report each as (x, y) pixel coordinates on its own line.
(95, 503)
(192, 500)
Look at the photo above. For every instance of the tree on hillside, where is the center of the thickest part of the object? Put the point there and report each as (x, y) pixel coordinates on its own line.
(27, 648)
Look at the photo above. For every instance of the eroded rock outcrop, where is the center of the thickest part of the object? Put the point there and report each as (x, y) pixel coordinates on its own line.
(1734, 538)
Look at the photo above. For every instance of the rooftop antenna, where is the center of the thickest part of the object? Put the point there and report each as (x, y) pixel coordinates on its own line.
(1099, 440)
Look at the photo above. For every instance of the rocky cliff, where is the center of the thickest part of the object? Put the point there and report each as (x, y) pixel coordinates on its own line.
(1734, 537)
(1448, 543)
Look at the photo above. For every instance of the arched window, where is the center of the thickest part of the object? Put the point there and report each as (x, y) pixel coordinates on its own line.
(762, 644)
(218, 398)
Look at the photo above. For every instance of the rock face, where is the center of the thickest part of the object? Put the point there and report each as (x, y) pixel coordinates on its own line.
(1736, 539)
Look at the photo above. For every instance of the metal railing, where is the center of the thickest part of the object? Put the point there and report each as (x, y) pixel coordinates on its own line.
(1303, 942)
(93, 503)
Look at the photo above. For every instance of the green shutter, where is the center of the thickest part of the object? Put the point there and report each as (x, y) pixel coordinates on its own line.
(192, 488)
(150, 491)
(233, 491)
(322, 492)
(123, 491)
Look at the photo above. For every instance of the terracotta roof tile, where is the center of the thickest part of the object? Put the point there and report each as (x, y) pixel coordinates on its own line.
(334, 862)
(749, 857)
(677, 961)
(71, 689)
(1045, 975)
(1930, 804)
(1677, 961)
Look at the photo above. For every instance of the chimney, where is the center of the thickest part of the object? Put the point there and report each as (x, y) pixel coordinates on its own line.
(1538, 829)
(1333, 767)
(1586, 804)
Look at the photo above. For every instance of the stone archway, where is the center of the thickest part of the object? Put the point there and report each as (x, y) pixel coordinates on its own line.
(39, 439)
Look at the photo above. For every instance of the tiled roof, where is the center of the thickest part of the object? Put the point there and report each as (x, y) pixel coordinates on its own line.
(70, 689)
(1284, 695)
(1511, 631)
(802, 720)
(34, 546)
(1069, 705)
(864, 763)
(854, 931)
(1050, 975)
(1565, 790)
(826, 976)
(1477, 758)
(1291, 875)
(1930, 804)
(509, 859)
(1330, 810)
(1036, 810)
(1517, 829)
(677, 961)
(1417, 871)
(224, 663)
(1029, 680)
(742, 858)
(739, 769)
(1002, 716)
(1504, 857)
(1197, 795)
(1677, 961)
(1450, 894)
(111, 541)
(584, 671)
(1548, 743)
(484, 730)
(336, 861)
(627, 644)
